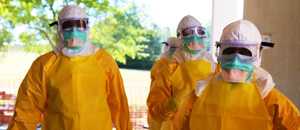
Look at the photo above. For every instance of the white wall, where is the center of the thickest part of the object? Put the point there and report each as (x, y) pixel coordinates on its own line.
(281, 20)
(225, 12)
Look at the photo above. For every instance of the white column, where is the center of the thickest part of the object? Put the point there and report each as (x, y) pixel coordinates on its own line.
(224, 12)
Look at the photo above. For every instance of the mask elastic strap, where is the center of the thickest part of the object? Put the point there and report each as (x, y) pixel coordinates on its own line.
(53, 23)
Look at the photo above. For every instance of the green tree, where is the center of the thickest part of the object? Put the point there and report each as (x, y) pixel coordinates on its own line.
(122, 34)
(5, 38)
(117, 25)
(155, 39)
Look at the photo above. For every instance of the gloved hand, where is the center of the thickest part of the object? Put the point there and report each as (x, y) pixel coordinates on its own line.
(171, 105)
(264, 81)
(181, 95)
(177, 99)
(178, 56)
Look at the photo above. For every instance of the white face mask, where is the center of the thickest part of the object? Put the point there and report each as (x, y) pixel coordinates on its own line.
(70, 52)
(86, 49)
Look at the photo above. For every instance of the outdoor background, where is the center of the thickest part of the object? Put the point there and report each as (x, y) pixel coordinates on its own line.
(130, 30)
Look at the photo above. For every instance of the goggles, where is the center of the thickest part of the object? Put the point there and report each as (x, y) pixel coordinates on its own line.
(237, 50)
(70, 24)
(197, 30)
(238, 47)
(242, 58)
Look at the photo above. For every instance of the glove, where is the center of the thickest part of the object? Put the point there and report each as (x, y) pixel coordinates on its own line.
(264, 81)
(175, 102)
(181, 95)
(178, 56)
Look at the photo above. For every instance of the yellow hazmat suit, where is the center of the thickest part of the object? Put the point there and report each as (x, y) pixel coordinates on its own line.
(235, 98)
(284, 114)
(235, 106)
(169, 102)
(230, 106)
(72, 93)
(160, 92)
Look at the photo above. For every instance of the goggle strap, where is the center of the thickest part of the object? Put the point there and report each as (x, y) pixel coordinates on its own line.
(53, 23)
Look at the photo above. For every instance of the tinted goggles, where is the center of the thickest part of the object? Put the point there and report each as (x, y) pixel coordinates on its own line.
(198, 30)
(237, 50)
(69, 24)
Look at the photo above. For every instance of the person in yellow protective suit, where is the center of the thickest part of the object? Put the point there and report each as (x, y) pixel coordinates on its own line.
(75, 87)
(160, 84)
(169, 106)
(241, 95)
